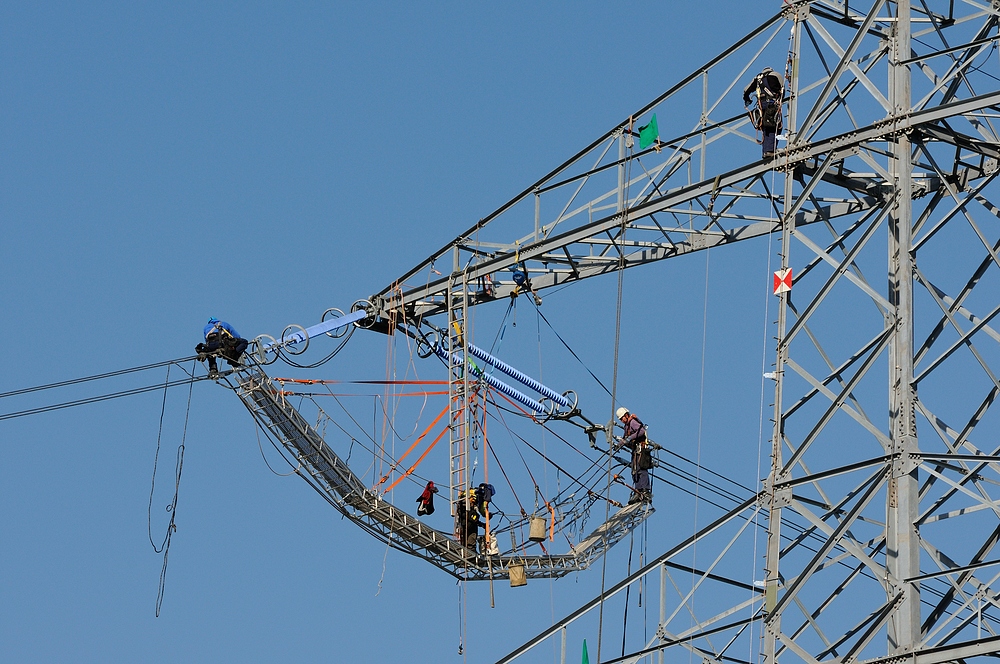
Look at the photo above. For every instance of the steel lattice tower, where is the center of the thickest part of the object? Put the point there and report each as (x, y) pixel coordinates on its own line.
(881, 507)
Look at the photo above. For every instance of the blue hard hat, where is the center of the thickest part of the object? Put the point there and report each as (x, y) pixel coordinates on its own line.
(213, 319)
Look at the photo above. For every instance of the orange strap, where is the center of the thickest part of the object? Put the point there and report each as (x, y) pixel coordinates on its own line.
(417, 463)
(410, 449)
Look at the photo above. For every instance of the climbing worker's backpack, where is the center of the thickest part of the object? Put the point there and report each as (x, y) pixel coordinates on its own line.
(769, 99)
(645, 458)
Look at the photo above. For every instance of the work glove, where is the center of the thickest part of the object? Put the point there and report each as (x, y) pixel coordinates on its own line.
(746, 102)
(200, 348)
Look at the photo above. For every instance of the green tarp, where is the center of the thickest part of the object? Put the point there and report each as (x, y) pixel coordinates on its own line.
(649, 133)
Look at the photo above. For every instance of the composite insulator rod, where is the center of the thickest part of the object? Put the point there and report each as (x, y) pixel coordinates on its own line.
(518, 376)
(497, 384)
(318, 329)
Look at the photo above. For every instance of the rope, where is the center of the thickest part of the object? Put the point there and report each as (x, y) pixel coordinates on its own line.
(571, 351)
(172, 507)
(614, 386)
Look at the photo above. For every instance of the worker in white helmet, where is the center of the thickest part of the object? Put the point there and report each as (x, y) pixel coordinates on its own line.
(634, 438)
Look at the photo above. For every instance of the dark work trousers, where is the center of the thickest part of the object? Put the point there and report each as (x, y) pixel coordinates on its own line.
(231, 349)
(640, 479)
(769, 108)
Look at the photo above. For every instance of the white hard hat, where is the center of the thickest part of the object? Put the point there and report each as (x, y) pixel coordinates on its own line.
(621, 412)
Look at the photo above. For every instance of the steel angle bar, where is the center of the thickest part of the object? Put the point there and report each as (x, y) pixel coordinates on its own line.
(833, 595)
(548, 228)
(635, 656)
(952, 570)
(841, 269)
(964, 339)
(711, 567)
(943, 431)
(978, 324)
(837, 404)
(942, 654)
(982, 238)
(839, 239)
(874, 621)
(756, 598)
(837, 372)
(847, 541)
(952, 514)
(984, 499)
(811, 621)
(846, 62)
(946, 599)
(734, 514)
(793, 155)
(958, 207)
(961, 439)
(875, 483)
(840, 101)
(796, 648)
(947, 135)
(954, 305)
(954, 76)
(982, 590)
(831, 509)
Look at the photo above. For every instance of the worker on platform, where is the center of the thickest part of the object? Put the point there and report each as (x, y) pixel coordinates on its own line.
(634, 438)
(766, 115)
(221, 338)
(466, 519)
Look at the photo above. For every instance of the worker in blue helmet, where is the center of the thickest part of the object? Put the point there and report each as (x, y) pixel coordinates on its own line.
(221, 338)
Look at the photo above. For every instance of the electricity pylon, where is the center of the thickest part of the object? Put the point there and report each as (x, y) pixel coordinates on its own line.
(881, 507)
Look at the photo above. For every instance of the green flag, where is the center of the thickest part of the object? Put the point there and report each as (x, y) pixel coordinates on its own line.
(586, 657)
(649, 134)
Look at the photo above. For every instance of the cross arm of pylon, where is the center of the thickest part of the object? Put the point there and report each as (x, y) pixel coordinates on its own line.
(561, 258)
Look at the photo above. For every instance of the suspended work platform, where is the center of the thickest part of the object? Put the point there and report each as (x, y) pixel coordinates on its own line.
(333, 479)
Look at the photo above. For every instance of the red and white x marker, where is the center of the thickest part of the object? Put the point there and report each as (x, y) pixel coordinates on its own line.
(782, 281)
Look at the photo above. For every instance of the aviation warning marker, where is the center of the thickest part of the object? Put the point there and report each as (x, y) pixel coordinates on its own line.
(782, 281)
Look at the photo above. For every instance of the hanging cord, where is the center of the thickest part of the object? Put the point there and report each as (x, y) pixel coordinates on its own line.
(614, 380)
(628, 590)
(571, 351)
(294, 471)
(172, 507)
(701, 410)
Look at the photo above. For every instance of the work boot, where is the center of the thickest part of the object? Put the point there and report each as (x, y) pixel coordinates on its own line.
(213, 373)
(634, 498)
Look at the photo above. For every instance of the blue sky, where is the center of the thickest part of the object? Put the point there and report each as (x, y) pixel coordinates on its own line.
(260, 163)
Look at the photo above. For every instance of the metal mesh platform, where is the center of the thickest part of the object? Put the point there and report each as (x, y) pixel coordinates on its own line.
(331, 476)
